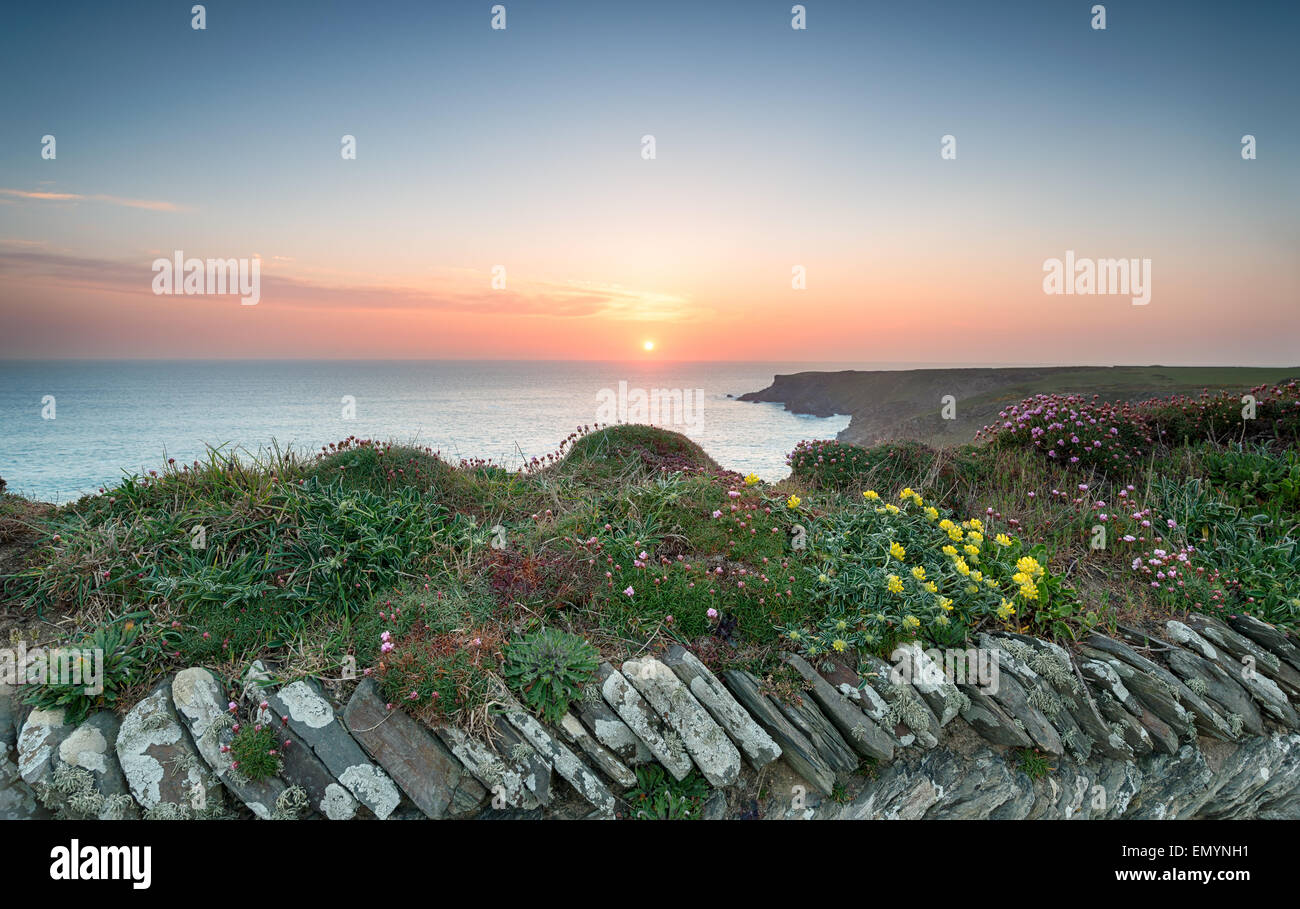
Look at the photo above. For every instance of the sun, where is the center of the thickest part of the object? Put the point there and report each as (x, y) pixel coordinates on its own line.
(648, 345)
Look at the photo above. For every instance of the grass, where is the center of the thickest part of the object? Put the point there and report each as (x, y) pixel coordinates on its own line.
(423, 573)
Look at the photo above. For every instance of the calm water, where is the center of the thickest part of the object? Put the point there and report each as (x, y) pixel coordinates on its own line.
(115, 417)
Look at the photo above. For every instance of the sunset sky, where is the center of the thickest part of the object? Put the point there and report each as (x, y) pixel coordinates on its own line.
(775, 148)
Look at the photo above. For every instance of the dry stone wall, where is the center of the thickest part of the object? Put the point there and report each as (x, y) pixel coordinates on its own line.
(1200, 721)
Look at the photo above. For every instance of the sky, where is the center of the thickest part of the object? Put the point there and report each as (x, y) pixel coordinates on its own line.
(522, 148)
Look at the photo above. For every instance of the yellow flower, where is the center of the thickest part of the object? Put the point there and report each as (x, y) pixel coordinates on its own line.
(975, 536)
(1006, 610)
(950, 550)
(954, 534)
(792, 502)
(991, 583)
(906, 493)
(880, 511)
(971, 550)
(911, 621)
(945, 604)
(894, 584)
(822, 578)
(795, 636)
(976, 523)
(839, 645)
(931, 512)
(871, 494)
(1029, 566)
(1002, 539)
(891, 508)
(1029, 591)
(841, 625)
(752, 480)
(897, 551)
(961, 566)
(1020, 578)
(918, 572)
(917, 500)
(932, 586)
(945, 524)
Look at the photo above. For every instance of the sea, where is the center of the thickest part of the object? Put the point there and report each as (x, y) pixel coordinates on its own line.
(70, 428)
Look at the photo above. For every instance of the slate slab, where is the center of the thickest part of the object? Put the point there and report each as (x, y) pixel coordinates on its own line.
(758, 747)
(704, 740)
(421, 765)
(797, 751)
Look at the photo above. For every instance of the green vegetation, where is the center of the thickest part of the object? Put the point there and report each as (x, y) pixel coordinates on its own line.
(549, 669)
(659, 797)
(254, 752)
(451, 583)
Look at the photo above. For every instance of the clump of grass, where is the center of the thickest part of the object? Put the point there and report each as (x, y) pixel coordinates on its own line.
(548, 669)
(1034, 763)
(657, 796)
(254, 752)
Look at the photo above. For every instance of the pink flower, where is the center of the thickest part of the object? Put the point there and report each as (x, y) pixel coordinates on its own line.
(629, 591)
(712, 614)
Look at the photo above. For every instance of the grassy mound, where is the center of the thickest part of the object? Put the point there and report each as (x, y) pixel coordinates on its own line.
(427, 575)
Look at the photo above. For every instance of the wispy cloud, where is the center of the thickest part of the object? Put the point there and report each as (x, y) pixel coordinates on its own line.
(41, 196)
(465, 291)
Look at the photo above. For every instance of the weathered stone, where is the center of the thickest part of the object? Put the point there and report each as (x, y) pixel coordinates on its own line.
(161, 764)
(797, 751)
(1160, 684)
(504, 779)
(665, 744)
(758, 747)
(201, 704)
(610, 731)
(312, 718)
(18, 802)
(1218, 686)
(704, 740)
(87, 770)
(861, 734)
(420, 764)
(327, 797)
(991, 721)
(565, 762)
(929, 680)
(1135, 735)
(572, 731)
(816, 728)
(1248, 653)
(1267, 636)
(38, 745)
(1254, 677)
(1012, 697)
(907, 715)
(536, 766)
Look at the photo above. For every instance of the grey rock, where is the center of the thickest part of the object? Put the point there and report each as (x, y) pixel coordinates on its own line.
(505, 779)
(1246, 652)
(19, 803)
(991, 721)
(1161, 685)
(421, 765)
(633, 709)
(536, 767)
(610, 731)
(327, 797)
(162, 766)
(1219, 687)
(38, 745)
(704, 740)
(856, 728)
(1267, 636)
(201, 704)
(749, 736)
(86, 765)
(908, 716)
(572, 731)
(565, 762)
(796, 749)
(312, 718)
